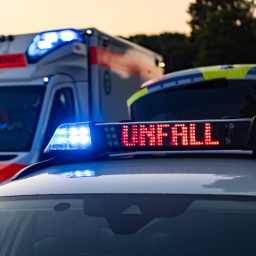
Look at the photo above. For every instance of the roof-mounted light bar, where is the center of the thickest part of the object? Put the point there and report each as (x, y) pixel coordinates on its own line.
(44, 42)
(71, 137)
(145, 136)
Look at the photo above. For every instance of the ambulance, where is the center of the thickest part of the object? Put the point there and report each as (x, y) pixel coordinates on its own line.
(65, 75)
(214, 92)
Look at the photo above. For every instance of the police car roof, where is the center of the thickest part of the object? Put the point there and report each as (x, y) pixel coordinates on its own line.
(187, 76)
(173, 174)
(173, 157)
(194, 75)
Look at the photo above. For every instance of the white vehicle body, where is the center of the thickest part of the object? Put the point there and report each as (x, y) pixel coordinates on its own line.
(206, 175)
(50, 78)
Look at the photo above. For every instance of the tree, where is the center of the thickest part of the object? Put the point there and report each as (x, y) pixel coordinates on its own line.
(174, 48)
(223, 31)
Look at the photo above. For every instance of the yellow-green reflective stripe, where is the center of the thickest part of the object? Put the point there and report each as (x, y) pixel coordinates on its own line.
(238, 71)
(136, 95)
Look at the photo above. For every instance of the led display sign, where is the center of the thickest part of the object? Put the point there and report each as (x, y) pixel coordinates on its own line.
(173, 135)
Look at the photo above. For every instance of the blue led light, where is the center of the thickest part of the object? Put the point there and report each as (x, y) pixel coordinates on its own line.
(51, 37)
(47, 41)
(74, 174)
(67, 35)
(72, 136)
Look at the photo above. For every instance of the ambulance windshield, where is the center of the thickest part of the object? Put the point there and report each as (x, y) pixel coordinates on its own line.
(215, 99)
(19, 111)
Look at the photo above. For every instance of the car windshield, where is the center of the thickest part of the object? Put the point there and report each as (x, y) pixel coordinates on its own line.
(127, 224)
(19, 111)
(214, 99)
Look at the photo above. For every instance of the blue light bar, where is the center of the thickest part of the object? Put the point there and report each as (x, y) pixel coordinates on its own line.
(72, 136)
(44, 42)
(224, 134)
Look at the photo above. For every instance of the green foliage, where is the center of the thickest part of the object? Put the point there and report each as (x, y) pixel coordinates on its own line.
(175, 49)
(222, 32)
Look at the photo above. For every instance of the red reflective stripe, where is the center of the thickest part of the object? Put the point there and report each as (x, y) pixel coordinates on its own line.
(121, 62)
(7, 171)
(93, 56)
(12, 60)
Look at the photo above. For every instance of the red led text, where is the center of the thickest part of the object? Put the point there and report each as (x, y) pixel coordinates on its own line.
(166, 135)
(12, 60)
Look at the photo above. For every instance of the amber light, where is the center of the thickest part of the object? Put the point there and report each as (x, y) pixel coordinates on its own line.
(181, 134)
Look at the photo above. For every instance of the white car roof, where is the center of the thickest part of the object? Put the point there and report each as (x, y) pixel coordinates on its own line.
(215, 174)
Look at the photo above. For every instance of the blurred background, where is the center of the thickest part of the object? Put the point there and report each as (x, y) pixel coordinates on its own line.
(187, 33)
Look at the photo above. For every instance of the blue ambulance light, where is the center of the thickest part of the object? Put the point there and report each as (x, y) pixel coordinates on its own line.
(47, 41)
(72, 136)
(67, 35)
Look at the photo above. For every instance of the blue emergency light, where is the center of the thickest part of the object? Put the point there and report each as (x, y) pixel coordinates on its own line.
(146, 136)
(44, 42)
(91, 140)
(71, 137)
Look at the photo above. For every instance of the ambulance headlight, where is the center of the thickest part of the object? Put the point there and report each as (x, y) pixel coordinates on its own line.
(71, 136)
(44, 42)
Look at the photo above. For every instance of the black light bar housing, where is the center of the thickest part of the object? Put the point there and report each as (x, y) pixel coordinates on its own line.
(177, 135)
